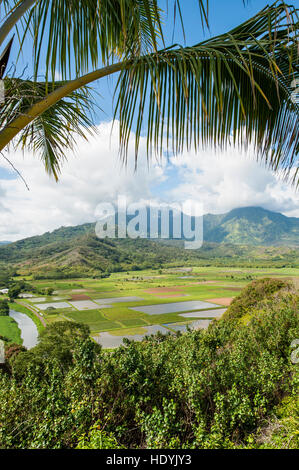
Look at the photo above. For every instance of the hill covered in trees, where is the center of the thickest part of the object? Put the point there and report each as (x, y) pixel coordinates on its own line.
(252, 226)
(76, 251)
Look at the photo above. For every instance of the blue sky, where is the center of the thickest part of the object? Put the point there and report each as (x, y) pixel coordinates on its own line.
(223, 16)
(222, 182)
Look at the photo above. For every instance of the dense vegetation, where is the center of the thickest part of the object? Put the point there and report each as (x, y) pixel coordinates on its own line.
(233, 385)
(6, 274)
(253, 293)
(18, 286)
(4, 308)
(252, 226)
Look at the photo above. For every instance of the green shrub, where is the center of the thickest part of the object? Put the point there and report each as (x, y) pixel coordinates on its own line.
(4, 308)
(203, 389)
(253, 293)
(97, 438)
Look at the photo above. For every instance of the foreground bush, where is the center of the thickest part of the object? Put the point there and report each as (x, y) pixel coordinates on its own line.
(204, 389)
(4, 308)
(254, 293)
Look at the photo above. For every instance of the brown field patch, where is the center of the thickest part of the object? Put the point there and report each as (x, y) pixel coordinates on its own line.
(226, 301)
(80, 297)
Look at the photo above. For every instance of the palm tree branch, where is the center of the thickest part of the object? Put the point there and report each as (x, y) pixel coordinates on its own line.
(16, 119)
(56, 130)
(108, 29)
(14, 15)
(203, 93)
(232, 88)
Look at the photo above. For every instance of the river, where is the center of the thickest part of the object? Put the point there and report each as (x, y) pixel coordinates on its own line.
(29, 333)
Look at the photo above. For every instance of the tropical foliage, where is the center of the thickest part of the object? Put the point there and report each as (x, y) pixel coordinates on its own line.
(4, 309)
(237, 87)
(223, 388)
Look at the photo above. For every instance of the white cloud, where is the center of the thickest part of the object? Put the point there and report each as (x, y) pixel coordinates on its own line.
(96, 175)
(230, 180)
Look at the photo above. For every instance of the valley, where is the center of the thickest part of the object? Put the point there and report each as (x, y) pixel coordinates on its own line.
(139, 303)
(249, 237)
(132, 288)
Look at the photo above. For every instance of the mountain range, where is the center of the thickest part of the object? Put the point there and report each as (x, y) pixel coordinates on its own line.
(245, 235)
(249, 225)
(252, 226)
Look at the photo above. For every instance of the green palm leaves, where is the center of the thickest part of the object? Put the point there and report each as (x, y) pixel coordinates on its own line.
(53, 132)
(235, 88)
(232, 88)
(78, 35)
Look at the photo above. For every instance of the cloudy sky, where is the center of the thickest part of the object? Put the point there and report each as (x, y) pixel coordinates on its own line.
(95, 174)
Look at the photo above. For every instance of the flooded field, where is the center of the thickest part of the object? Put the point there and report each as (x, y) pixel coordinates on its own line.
(174, 307)
(44, 299)
(53, 305)
(217, 313)
(196, 325)
(108, 341)
(84, 304)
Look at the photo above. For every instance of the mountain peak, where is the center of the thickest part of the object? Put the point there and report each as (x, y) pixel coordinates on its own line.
(253, 213)
(254, 225)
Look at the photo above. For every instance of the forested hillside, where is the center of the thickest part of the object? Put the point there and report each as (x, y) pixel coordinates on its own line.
(240, 238)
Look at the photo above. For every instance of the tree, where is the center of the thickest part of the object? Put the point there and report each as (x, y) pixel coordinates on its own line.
(57, 342)
(4, 308)
(14, 291)
(237, 87)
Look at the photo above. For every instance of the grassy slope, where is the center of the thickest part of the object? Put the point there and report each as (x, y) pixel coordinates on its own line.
(10, 330)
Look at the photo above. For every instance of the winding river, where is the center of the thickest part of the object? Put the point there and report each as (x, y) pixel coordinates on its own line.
(29, 333)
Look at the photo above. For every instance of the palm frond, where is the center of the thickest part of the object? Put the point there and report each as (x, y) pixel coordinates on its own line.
(203, 10)
(90, 32)
(234, 88)
(57, 129)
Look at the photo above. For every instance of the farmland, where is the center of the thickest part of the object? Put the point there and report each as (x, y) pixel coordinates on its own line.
(123, 304)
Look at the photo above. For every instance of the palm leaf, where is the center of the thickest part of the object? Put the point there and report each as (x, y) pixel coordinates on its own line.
(234, 88)
(57, 129)
(90, 32)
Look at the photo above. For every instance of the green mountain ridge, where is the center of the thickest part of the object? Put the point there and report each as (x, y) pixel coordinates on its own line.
(252, 226)
(76, 250)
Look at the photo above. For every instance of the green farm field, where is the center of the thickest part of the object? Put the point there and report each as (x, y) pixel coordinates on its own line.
(214, 285)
